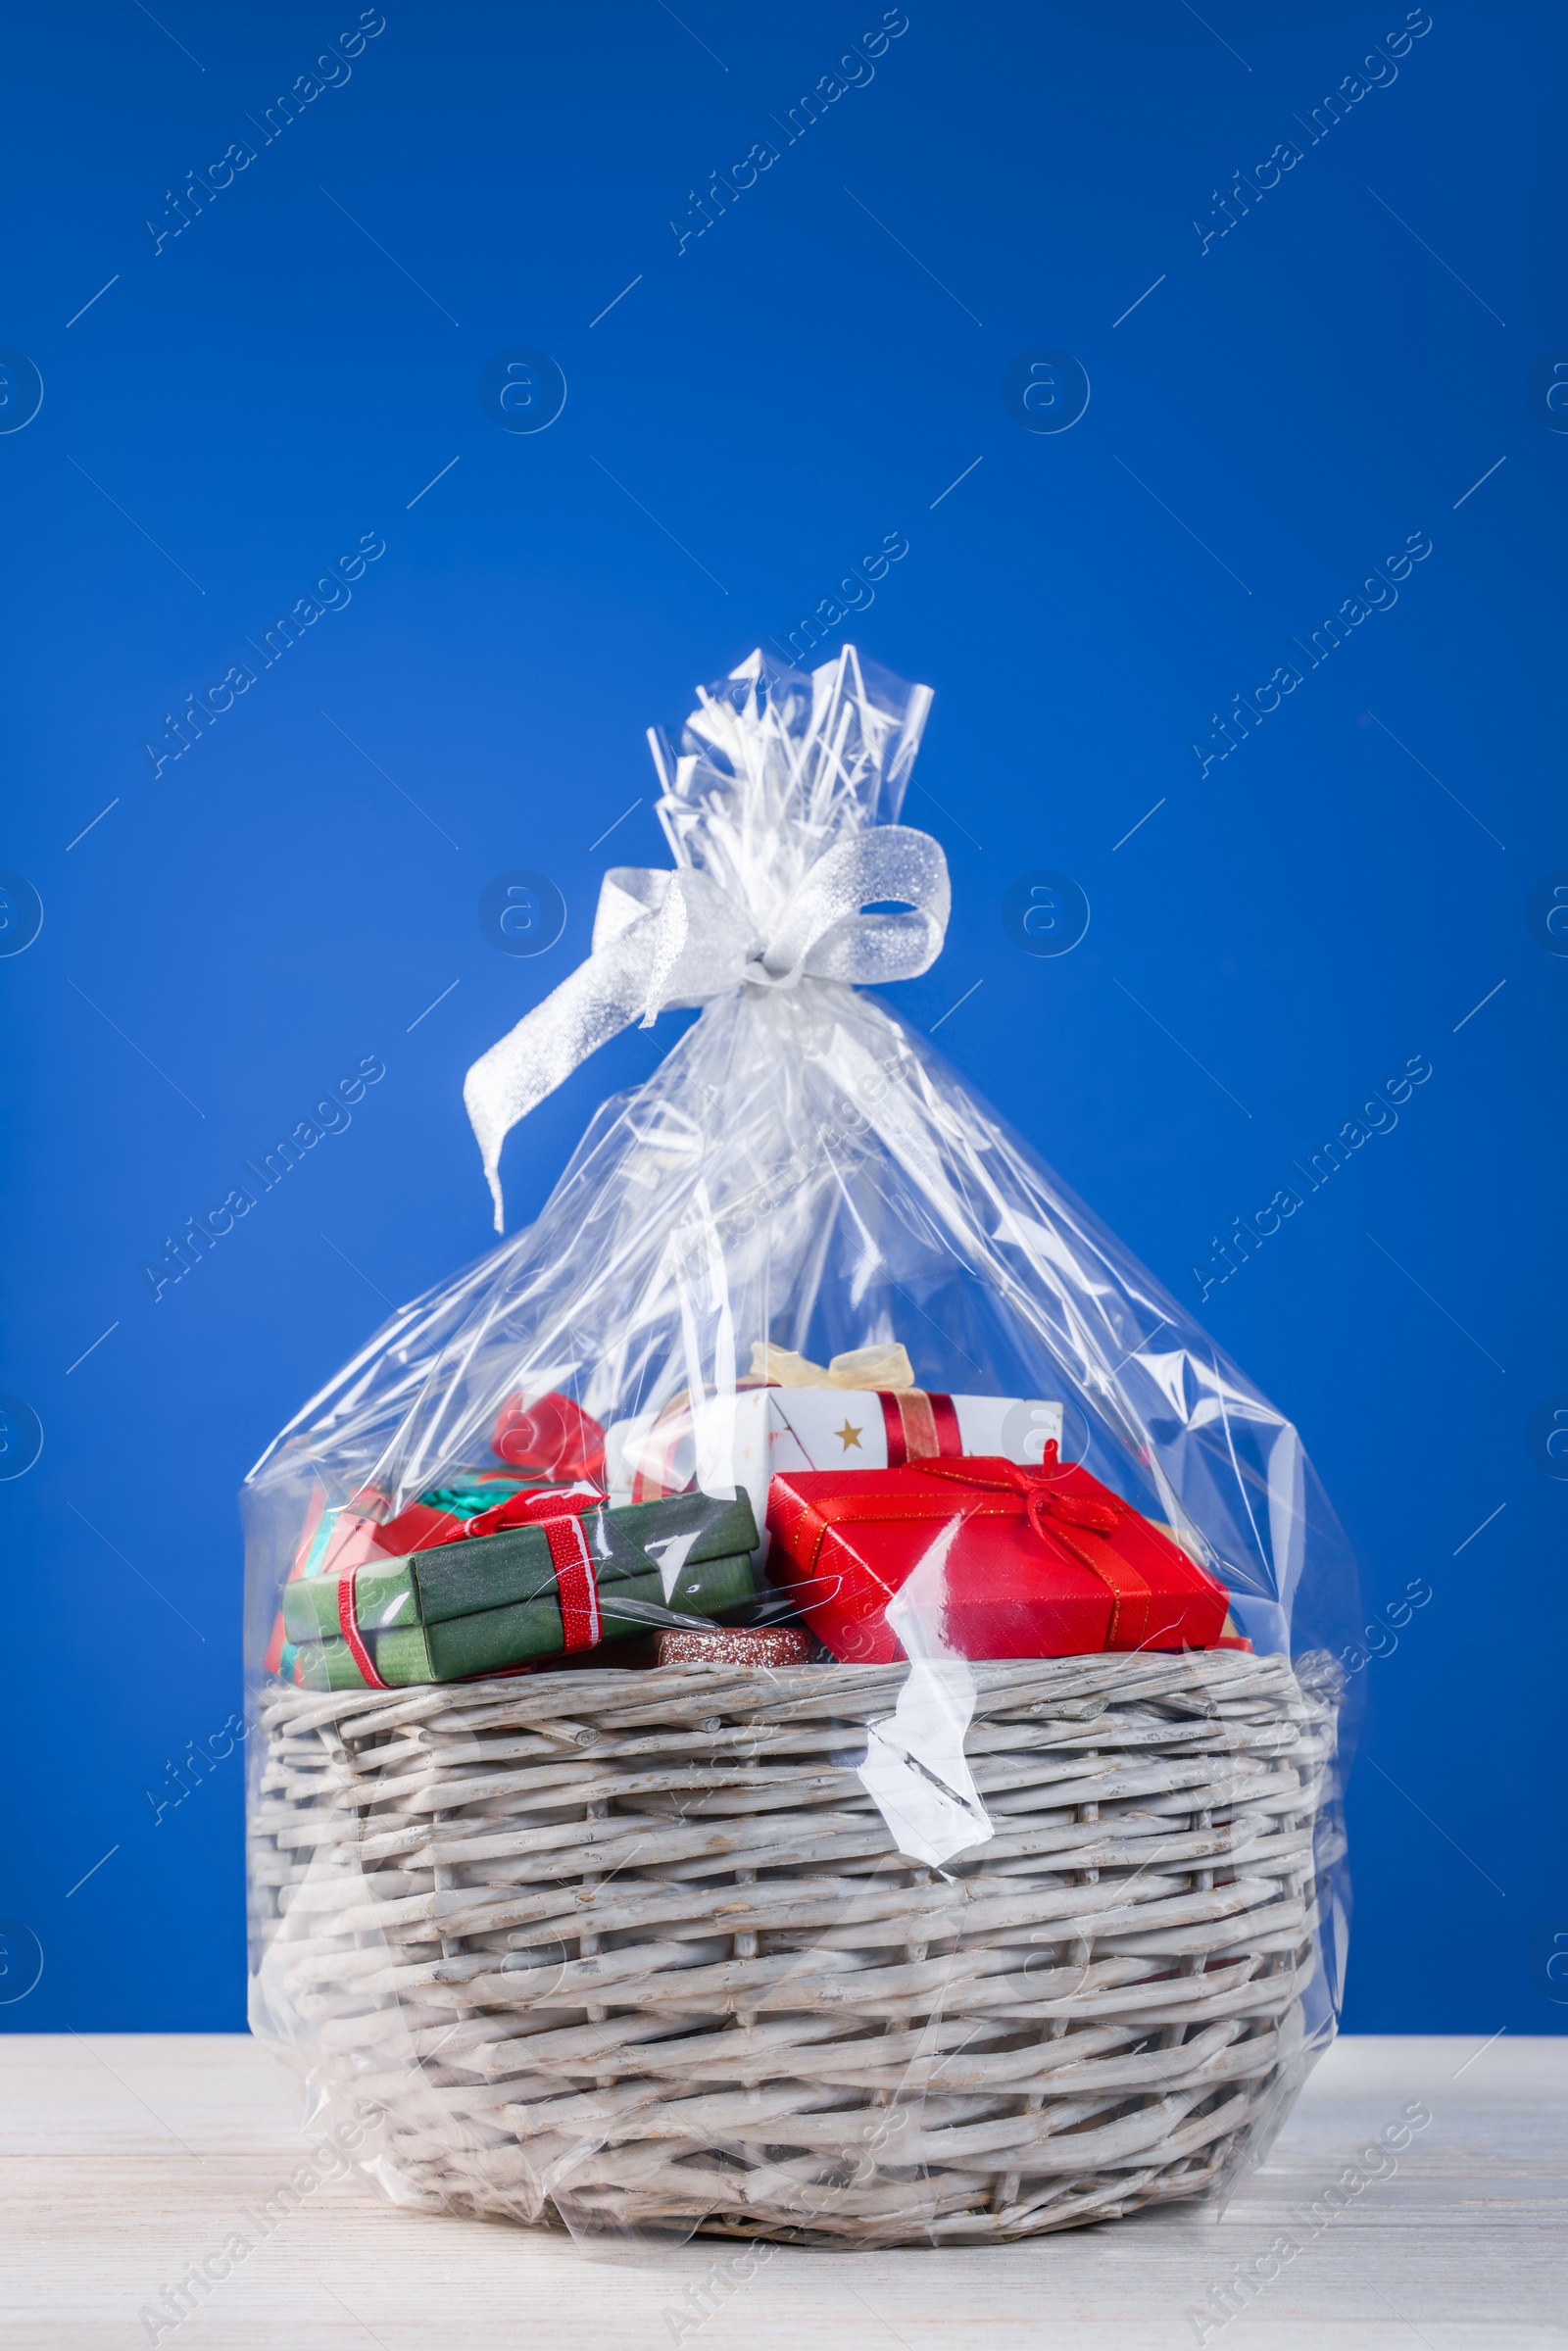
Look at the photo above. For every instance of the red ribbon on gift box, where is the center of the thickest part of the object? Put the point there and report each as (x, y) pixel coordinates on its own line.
(920, 1426)
(535, 1507)
(348, 1624)
(576, 1585)
(1047, 1561)
(559, 1516)
(1058, 1516)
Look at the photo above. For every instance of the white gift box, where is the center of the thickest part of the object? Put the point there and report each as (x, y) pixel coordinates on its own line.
(741, 1439)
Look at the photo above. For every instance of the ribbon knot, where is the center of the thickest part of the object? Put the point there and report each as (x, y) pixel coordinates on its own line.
(557, 1512)
(675, 938)
(1060, 1517)
(782, 875)
(533, 1507)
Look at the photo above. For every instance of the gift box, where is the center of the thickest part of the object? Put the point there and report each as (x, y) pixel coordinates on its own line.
(811, 1418)
(1024, 1562)
(568, 1575)
(735, 1645)
(531, 1632)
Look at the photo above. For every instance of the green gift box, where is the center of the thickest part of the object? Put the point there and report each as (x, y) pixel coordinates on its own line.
(382, 1596)
(641, 1539)
(471, 1607)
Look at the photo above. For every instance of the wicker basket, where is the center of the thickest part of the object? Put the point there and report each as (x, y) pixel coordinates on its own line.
(636, 1950)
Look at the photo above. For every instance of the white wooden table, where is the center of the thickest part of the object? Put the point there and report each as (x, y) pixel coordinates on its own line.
(129, 2158)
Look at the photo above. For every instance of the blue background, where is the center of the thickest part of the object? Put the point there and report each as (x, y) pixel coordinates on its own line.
(748, 421)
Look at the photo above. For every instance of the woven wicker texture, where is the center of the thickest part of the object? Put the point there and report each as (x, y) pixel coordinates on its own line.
(636, 1949)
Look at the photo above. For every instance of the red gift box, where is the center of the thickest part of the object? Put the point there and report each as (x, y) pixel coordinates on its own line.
(1041, 1563)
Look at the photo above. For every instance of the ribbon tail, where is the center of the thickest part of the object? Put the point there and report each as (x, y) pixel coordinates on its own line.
(592, 1004)
(646, 954)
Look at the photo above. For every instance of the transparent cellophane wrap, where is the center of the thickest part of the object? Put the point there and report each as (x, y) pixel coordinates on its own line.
(943, 1951)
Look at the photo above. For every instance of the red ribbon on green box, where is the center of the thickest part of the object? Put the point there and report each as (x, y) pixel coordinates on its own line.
(558, 1518)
